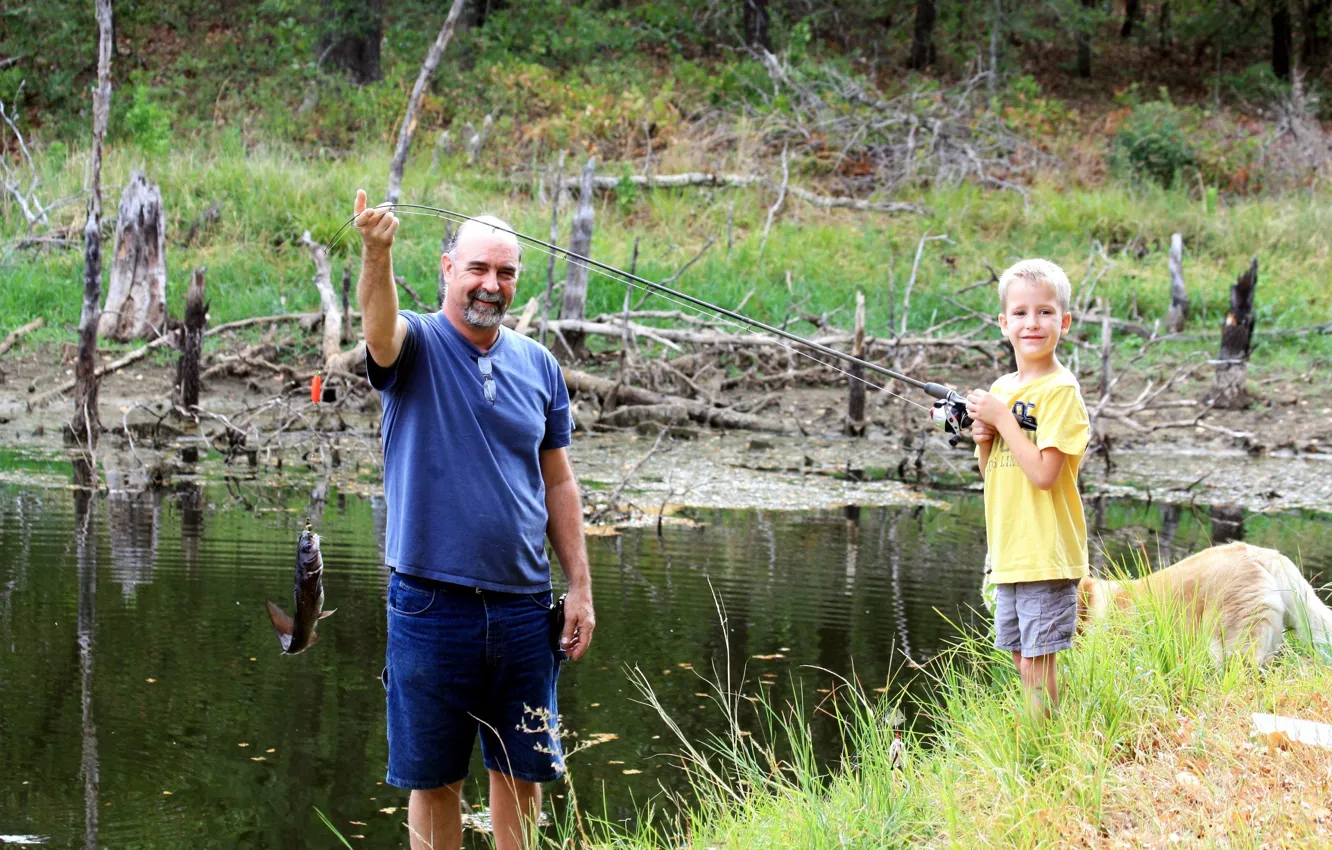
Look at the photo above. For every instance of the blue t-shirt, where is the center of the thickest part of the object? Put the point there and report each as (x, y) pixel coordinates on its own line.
(462, 474)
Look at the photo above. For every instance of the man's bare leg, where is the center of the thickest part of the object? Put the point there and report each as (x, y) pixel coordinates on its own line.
(514, 807)
(434, 818)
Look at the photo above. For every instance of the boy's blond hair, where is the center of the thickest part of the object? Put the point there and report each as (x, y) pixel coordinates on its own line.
(1037, 271)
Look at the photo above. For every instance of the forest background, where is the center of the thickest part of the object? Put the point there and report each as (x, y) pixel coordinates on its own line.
(1083, 131)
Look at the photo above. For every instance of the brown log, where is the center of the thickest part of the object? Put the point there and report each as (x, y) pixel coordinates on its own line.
(85, 424)
(629, 396)
(136, 298)
(18, 333)
(409, 116)
(1229, 391)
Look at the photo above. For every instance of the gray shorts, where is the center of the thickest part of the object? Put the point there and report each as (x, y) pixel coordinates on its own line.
(1036, 617)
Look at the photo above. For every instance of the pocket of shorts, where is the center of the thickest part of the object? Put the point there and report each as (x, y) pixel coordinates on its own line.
(408, 599)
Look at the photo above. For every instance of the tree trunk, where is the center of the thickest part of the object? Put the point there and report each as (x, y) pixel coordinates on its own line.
(575, 280)
(191, 351)
(480, 12)
(922, 37)
(331, 307)
(1317, 26)
(1227, 523)
(1229, 393)
(1281, 38)
(757, 24)
(84, 425)
(409, 117)
(855, 409)
(1163, 36)
(352, 44)
(1084, 39)
(1179, 296)
(136, 303)
(1132, 11)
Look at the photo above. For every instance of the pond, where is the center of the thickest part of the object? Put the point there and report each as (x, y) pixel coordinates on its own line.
(143, 701)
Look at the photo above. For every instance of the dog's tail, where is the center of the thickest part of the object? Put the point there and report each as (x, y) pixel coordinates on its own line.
(1305, 613)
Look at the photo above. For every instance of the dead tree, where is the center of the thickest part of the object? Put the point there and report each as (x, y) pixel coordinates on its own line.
(85, 424)
(409, 117)
(136, 303)
(1229, 392)
(575, 279)
(855, 410)
(334, 358)
(1179, 297)
(191, 351)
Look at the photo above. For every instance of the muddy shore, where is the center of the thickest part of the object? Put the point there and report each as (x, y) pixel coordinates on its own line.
(1278, 455)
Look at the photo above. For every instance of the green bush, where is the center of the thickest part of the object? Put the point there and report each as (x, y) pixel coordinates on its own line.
(1152, 143)
(147, 123)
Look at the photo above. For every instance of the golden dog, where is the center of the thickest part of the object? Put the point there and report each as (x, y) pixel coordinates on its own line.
(1254, 594)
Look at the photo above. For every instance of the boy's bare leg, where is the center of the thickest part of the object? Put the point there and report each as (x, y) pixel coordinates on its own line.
(514, 806)
(434, 818)
(1039, 683)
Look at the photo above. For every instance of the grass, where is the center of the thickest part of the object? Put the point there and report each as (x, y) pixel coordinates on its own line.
(1151, 744)
(269, 196)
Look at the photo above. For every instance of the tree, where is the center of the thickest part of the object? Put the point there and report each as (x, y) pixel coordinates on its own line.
(1132, 11)
(1317, 26)
(355, 30)
(757, 23)
(1086, 25)
(922, 36)
(1281, 38)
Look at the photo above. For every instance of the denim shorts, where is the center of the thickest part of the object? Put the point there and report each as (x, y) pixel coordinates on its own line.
(462, 660)
(1036, 617)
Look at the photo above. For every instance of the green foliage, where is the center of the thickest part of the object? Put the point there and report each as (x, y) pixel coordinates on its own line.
(147, 124)
(1152, 144)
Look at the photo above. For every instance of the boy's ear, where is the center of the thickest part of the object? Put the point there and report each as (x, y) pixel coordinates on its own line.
(1003, 322)
(1066, 323)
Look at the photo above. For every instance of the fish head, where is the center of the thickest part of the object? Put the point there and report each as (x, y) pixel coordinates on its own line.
(308, 556)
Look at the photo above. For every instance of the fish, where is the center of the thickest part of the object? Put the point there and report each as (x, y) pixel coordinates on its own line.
(299, 634)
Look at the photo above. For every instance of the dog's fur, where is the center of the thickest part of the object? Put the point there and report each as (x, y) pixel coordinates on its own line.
(1253, 595)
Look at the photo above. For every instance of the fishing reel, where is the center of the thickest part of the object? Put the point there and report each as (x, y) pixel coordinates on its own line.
(950, 413)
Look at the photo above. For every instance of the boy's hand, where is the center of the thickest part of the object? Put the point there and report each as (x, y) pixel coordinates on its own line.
(986, 409)
(982, 433)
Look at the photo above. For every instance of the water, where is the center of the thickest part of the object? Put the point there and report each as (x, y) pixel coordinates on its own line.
(143, 701)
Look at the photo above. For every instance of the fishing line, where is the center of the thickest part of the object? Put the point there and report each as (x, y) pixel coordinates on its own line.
(685, 301)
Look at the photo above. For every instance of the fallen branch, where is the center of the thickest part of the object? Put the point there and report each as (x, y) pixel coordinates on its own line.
(739, 181)
(669, 407)
(17, 333)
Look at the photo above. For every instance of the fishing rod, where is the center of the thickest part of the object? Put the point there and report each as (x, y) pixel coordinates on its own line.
(949, 411)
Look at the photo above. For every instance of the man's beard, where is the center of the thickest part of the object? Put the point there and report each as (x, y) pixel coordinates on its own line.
(481, 312)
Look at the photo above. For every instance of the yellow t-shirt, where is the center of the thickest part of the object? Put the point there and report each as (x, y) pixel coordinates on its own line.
(1035, 534)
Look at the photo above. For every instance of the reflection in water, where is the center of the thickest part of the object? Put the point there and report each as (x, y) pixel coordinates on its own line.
(132, 528)
(1227, 523)
(197, 701)
(86, 545)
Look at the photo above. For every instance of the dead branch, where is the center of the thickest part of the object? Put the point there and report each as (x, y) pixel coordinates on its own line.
(738, 181)
(781, 196)
(615, 494)
(29, 204)
(328, 299)
(18, 333)
(664, 405)
(408, 126)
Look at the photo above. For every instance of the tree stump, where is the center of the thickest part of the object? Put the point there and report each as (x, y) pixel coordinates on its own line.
(575, 281)
(191, 351)
(1229, 392)
(1179, 296)
(136, 301)
(855, 411)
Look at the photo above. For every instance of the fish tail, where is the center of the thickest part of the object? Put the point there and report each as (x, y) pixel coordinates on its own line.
(282, 624)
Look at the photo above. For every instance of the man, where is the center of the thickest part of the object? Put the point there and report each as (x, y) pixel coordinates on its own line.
(476, 421)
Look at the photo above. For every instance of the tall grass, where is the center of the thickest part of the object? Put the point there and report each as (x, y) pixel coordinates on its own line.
(269, 195)
(1142, 700)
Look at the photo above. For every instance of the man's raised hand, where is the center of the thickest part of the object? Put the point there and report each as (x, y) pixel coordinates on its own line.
(377, 226)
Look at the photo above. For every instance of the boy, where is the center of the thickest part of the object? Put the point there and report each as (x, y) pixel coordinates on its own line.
(1033, 515)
